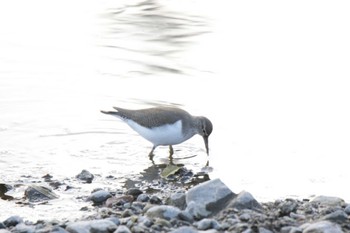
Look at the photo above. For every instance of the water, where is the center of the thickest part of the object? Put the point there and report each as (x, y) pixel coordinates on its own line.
(274, 85)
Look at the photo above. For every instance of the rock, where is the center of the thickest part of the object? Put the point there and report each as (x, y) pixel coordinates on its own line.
(4, 231)
(102, 226)
(178, 200)
(244, 200)
(13, 221)
(35, 193)
(328, 201)
(119, 201)
(99, 197)
(264, 230)
(143, 198)
(291, 229)
(58, 229)
(94, 226)
(85, 176)
(322, 227)
(208, 198)
(338, 216)
(155, 200)
(134, 192)
(207, 223)
(2, 226)
(79, 227)
(347, 209)
(163, 211)
(115, 220)
(184, 229)
(23, 228)
(122, 229)
(186, 216)
(3, 189)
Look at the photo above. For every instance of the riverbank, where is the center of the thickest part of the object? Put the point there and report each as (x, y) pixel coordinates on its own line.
(184, 202)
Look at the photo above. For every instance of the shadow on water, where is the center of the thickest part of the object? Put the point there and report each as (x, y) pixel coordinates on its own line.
(150, 37)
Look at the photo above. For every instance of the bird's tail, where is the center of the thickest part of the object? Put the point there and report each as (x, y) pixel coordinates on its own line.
(110, 112)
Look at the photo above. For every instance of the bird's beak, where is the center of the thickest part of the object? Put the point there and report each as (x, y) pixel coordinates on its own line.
(206, 144)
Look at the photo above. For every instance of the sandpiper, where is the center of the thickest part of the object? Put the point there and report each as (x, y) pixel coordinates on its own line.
(165, 126)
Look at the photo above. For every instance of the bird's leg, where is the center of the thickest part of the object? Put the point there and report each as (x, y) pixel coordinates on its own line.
(151, 155)
(171, 152)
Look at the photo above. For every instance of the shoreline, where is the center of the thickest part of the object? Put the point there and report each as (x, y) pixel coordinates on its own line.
(184, 202)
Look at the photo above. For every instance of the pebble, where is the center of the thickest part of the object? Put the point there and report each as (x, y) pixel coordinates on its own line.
(328, 201)
(143, 198)
(185, 229)
(207, 223)
(13, 221)
(178, 200)
(135, 192)
(36, 193)
(85, 176)
(163, 211)
(155, 200)
(322, 227)
(338, 216)
(99, 197)
(122, 229)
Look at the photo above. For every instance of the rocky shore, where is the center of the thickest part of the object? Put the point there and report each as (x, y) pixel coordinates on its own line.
(178, 207)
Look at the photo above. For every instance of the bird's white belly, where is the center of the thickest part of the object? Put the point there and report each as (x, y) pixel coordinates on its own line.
(169, 134)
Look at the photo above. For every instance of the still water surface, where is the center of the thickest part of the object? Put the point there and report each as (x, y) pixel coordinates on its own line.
(273, 85)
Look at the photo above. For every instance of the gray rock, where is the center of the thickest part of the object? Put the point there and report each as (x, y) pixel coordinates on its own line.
(245, 200)
(178, 200)
(135, 192)
(13, 221)
(347, 209)
(338, 216)
(58, 229)
(287, 207)
(155, 200)
(207, 223)
(186, 216)
(95, 226)
(102, 226)
(2, 226)
(122, 229)
(99, 197)
(85, 176)
(291, 229)
(264, 230)
(115, 220)
(23, 228)
(163, 211)
(328, 201)
(184, 229)
(79, 227)
(208, 198)
(4, 231)
(143, 198)
(322, 227)
(35, 193)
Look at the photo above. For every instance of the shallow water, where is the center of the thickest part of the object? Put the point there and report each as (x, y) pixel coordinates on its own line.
(274, 86)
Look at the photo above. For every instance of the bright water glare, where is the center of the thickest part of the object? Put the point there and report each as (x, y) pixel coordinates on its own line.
(272, 77)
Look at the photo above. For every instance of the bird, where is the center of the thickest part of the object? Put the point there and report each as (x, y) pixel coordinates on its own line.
(164, 126)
